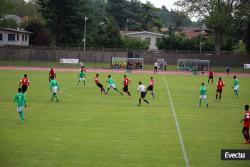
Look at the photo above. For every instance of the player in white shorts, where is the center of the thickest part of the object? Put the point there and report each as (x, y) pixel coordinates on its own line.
(236, 86)
(203, 96)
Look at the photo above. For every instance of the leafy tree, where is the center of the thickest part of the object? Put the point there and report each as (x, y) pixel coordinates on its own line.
(4, 6)
(23, 8)
(65, 19)
(134, 43)
(40, 35)
(218, 15)
(8, 23)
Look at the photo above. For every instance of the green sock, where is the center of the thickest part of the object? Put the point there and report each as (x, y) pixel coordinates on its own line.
(56, 97)
(20, 115)
(23, 116)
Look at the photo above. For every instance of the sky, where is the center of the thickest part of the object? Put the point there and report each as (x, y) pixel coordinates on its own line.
(160, 3)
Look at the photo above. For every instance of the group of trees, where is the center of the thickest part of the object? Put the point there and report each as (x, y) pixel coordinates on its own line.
(61, 22)
(229, 19)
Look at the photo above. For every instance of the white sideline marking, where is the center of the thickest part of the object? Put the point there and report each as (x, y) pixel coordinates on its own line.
(184, 152)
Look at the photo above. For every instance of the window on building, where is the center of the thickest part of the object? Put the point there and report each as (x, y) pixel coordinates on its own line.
(22, 37)
(148, 41)
(1, 37)
(17, 37)
(25, 37)
(11, 37)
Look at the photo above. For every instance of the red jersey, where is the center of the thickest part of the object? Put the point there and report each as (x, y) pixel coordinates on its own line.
(52, 73)
(247, 119)
(25, 81)
(220, 84)
(210, 73)
(125, 81)
(151, 82)
(97, 80)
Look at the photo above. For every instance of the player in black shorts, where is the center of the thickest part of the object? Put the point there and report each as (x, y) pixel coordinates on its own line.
(151, 86)
(99, 84)
(126, 82)
(143, 90)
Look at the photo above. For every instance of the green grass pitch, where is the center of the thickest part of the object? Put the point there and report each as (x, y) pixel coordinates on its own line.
(89, 129)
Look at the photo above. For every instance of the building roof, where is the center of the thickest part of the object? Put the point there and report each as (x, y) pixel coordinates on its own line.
(143, 32)
(15, 30)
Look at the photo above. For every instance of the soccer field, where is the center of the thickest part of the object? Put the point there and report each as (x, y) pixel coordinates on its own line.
(89, 129)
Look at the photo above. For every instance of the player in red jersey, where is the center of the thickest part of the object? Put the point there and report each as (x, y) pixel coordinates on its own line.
(210, 76)
(52, 74)
(126, 82)
(245, 130)
(151, 87)
(24, 82)
(220, 85)
(97, 82)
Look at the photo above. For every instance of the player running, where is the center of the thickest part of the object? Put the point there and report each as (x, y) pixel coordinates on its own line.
(245, 130)
(126, 82)
(54, 89)
(52, 73)
(81, 77)
(24, 82)
(20, 101)
(236, 86)
(143, 90)
(151, 86)
(203, 96)
(97, 82)
(112, 85)
(211, 76)
(220, 85)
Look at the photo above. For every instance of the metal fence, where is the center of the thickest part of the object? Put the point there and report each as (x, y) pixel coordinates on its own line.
(101, 57)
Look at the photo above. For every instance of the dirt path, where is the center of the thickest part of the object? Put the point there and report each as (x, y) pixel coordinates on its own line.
(96, 70)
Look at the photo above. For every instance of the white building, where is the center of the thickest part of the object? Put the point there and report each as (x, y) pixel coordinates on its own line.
(150, 37)
(10, 36)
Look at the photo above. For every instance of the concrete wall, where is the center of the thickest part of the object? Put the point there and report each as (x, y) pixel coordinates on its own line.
(97, 55)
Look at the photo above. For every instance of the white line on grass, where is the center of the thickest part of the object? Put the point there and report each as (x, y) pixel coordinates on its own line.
(184, 152)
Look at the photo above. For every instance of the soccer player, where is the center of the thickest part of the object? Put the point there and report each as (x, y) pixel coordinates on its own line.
(126, 82)
(245, 130)
(210, 76)
(151, 86)
(52, 73)
(97, 82)
(203, 96)
(81, 77)
(20, 101)
(54, 89)
(143, 90)
(236, 86)
(220, 85)
(24, 82)
(112, 85)
(155, 67)
(83, 68)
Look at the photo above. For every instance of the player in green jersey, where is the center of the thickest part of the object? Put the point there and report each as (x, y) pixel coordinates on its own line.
(54, 88)
(81, 77)
(203, 96)
(20, 101)
(112, 85)
(236, 86)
